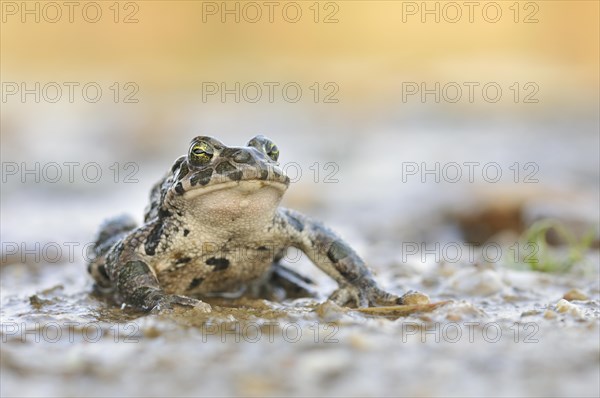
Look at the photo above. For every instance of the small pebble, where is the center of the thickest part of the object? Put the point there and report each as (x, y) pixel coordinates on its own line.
(415, 298)
(453, 317)
(360, 342)
(530, 313)
(329, 311)
(563, 306)
(575, 294)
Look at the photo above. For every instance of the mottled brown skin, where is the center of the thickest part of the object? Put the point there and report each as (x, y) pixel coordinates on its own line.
(214, 227)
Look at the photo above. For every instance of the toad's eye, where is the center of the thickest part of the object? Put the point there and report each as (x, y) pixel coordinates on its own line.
(272, 150)
(200, 153)
(266, 146)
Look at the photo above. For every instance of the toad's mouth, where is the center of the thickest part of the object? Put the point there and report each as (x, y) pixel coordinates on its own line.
(236, 206)
(243, 187)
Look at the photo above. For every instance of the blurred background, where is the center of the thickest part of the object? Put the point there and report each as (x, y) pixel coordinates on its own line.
(371, 87)
(375, 106)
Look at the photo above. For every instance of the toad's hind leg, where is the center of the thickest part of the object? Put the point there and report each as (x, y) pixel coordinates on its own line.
(282, 283)
(110, 233)
(295, 284)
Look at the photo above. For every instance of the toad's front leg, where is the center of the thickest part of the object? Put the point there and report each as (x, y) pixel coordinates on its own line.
(137, 285)
(338, 260)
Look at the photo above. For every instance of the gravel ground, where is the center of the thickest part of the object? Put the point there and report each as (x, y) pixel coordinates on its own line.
(498, 331)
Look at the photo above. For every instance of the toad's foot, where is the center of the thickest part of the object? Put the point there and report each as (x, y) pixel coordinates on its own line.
(169, 302)
(365, 295)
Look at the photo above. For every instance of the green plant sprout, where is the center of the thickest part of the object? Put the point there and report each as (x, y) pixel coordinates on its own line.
(544, 258)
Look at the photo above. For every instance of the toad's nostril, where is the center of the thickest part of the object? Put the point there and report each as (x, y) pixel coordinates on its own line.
(242, 157)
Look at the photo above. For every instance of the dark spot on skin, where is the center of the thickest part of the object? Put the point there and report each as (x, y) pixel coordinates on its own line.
(183, 171)
(338, 251)
(219, 263)
(346, 262)
(201, 177)
(264, 174)
(179, 189)
(294, 222)
(177, 164)
(225, 168)
(163, 213)
(153, 239)
(235, 176)
(186, 232)
(195, 283)
(183, 260)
